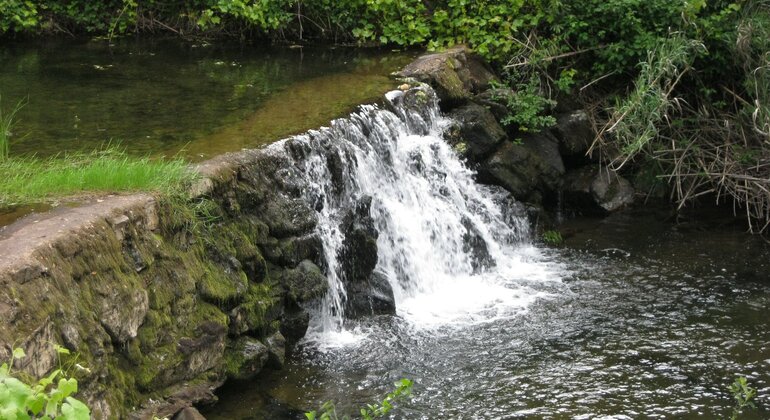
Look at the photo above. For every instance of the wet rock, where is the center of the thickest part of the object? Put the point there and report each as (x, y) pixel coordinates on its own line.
(204, 351)
(305, 282)
(476, 247)
(574, 132)
(189, 413)
(252, 357)
(592, 190)
(374, 296)
(456, 74)
(294, 324)
(286, 217)
(291, 251)
(276, 346)
(479, 130)
(522, 169)
(359, 251)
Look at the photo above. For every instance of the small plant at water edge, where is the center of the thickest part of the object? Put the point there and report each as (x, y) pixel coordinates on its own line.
(743, 395)
(372, 411)
(552, 237)
(50, 397)
(7, 122)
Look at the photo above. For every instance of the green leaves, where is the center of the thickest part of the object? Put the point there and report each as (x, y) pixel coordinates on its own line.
(743, 395)
(328, 411)
(48, 398)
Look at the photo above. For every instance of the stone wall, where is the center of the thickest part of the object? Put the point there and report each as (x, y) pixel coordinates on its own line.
(159, 302)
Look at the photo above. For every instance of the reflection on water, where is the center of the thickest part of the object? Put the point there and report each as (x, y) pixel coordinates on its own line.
(160, 96)
(654, 320)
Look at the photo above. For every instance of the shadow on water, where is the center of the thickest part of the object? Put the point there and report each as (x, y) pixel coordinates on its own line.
(159, 96)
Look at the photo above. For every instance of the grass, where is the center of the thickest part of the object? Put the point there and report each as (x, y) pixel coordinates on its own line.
(107, 170)
(31, 180)
(7, 121)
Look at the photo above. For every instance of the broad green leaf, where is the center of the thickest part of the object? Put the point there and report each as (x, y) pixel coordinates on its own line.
(73, 409)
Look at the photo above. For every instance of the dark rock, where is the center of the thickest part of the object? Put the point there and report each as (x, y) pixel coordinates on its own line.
(253, 356)
(304, 283)
(591, 190)
(359, 251)
(495, 100)
(286, 217)
(475, 246)
(276, 346)
(291, 251)
(535, 164)
(294, 324)
(574, 132)
(479, 130)
(189, 413)
(374, 296)
(456, 74)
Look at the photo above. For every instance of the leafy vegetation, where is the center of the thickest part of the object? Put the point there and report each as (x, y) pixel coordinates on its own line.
(328, 411)
(743, 395)
(48, 398)
(552, 237)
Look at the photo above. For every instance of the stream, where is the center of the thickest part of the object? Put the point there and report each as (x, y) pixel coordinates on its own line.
(632, 316)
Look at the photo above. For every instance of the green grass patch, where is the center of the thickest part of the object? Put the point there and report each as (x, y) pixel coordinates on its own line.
(111, 170)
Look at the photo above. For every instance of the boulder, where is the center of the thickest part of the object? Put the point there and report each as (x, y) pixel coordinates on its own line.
(495, 100)
(574, 132)
(304, 283)
(374, 296)
(359, 251)
(591, 189)
(276, 350)
(294, 324)
(456, 74)
(287, 216)
(252, 357)
(475, 246)
(478, 130)
(532, 165)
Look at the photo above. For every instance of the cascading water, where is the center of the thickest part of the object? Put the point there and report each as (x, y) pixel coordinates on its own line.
(452, 251)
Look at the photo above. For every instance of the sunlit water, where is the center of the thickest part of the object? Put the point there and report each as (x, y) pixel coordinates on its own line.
(630, 318)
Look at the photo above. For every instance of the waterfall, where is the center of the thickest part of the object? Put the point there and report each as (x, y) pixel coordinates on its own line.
(447, 246)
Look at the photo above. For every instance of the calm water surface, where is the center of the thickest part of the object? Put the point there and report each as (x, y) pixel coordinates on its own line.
(649, 320)
(160, 97)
